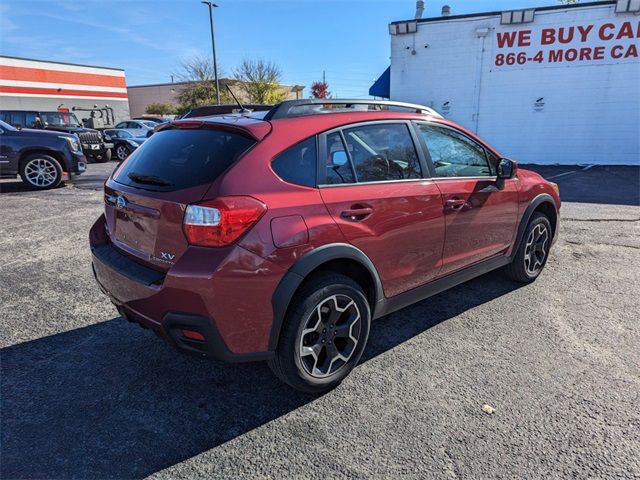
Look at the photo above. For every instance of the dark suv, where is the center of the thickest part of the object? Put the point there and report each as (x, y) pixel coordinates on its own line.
(91, 141)
(43, 159)
(281, 239)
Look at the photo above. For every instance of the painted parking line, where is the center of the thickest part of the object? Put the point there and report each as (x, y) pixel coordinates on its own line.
(570, 173)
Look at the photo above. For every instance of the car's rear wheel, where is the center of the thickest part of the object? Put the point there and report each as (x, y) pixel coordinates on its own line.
(122, 152)
(41, 171)
(533, 252)
(324, 333)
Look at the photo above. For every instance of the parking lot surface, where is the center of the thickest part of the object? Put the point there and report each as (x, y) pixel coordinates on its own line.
(85, 394)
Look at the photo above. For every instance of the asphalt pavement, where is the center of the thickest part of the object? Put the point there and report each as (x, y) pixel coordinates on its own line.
(85, 394)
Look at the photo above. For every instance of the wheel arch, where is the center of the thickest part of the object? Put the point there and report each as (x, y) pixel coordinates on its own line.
(52, 153)
(338, 257)
(543, 203)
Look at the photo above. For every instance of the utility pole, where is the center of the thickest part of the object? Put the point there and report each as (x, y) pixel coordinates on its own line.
(213, 48)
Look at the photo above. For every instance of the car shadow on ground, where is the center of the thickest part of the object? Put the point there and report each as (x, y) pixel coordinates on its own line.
(18, 186)
(607, 184)
(112, 401)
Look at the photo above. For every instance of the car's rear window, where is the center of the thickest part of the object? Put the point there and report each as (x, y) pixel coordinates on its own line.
(176, 159)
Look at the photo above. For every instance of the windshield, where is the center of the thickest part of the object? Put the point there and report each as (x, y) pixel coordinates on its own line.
(61, 119)
(118, 133)
(149, 123)
(7, 127)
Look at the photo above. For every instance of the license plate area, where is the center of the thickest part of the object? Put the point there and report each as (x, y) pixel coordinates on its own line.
(136, 230)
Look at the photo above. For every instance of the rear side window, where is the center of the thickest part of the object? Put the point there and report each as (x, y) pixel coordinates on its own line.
(177, 159)
(298, 164)
(383, 152)
(337, 163)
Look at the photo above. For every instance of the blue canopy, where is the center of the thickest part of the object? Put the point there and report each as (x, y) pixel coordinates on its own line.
(382, 86)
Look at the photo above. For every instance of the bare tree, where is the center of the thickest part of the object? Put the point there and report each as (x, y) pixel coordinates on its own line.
(260, 80)
(201, 89)
(196, 69)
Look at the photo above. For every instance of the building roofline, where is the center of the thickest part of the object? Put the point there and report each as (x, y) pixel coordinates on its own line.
(230, 81)
(499, 12)
(61, 63)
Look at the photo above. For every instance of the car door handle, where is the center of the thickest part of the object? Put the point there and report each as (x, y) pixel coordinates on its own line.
(454, 204)
(356, 213)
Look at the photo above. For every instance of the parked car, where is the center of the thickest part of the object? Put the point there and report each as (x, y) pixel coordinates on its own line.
(216, 110)
(281, 239)
(91, 141)
(156, 119)
(43, 159)
(137, 128)
(124, 143)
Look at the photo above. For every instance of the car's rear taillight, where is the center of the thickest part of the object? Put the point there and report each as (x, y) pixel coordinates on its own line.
(220, 222)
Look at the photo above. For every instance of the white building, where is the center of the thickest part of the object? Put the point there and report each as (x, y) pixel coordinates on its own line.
(551, 85)
(28, 84)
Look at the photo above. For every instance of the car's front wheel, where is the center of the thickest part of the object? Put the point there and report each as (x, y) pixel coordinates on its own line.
(533, 251)
(324, 333)
(122, 152)
(41, 171)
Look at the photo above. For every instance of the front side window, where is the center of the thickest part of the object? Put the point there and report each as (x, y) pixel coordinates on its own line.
(382, 152)
(298, 164)
(454, 154)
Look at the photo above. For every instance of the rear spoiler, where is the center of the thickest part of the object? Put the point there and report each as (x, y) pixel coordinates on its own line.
(256, 129)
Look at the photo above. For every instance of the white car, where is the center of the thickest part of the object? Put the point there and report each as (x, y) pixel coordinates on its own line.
(137, 128)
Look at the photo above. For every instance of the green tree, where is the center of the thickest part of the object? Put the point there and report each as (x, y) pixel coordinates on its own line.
(160, 109)
(260, 80)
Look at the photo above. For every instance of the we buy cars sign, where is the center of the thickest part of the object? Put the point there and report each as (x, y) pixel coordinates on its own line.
(605, 42)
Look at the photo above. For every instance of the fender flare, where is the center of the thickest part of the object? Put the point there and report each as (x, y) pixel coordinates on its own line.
(303, 267)
(526, 217)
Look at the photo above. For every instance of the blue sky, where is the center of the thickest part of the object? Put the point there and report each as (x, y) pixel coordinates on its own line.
(150, 38)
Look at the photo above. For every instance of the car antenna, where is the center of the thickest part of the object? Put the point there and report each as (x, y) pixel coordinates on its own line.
(243, 111)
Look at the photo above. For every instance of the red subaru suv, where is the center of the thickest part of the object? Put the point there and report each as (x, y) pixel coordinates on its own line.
(282, 238)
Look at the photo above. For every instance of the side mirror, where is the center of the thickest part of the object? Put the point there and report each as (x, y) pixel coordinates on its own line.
(507, 168)
(339, 158)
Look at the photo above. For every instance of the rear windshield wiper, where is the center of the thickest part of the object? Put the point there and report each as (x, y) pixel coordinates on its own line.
(148, 179)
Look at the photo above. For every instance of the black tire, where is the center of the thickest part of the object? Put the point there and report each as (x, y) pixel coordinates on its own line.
(41, 172)
(120, 149)
(325, 290)
(521, 268)
(104, 158)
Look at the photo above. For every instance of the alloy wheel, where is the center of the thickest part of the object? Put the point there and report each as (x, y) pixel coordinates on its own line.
(121, 152)
(330, 336)
(40, 172)
(536, 249)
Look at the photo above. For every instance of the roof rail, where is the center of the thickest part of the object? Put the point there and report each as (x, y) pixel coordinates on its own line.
(315, 106)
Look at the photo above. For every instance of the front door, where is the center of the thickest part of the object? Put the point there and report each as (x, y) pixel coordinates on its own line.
(480, 212)
(376, 193)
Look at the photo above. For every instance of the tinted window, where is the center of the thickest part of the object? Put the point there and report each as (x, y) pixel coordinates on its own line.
(337, 163)
(30, 119)
(454, 154)
(121, 125)
(382, 152)
(182, 159)
(298, 164)
(17, 119)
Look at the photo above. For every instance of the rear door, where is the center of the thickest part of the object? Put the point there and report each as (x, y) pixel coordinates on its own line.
(146, 198)
(480, 212)
(375, 189)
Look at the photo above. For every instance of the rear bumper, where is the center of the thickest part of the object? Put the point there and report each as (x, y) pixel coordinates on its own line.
(223, 294)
